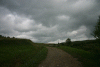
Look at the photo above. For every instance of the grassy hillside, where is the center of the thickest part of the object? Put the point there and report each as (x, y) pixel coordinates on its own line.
(87, 51)
(87, 58)
(20, 52)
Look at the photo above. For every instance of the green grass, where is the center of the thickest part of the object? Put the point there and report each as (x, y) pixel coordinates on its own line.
(36, 60)
(88, 59)
(19, 52)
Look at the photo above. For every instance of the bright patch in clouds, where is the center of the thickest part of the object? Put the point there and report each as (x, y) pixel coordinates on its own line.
(81, 30)
(18, 22)
(79, 34)
(63, 17)
(72, 33)
(58, 41)
(82, 5)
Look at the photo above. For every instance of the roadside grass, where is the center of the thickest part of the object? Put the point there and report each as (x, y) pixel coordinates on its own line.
(42, 44)
(18, 52)
(87, 58)
(37, 59)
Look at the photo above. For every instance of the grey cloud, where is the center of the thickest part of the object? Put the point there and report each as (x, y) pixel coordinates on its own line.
(43, 16)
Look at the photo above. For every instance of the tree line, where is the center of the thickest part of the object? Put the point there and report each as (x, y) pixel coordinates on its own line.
(1, 37)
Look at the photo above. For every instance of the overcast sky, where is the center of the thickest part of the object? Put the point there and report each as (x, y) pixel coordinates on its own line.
(49, 21)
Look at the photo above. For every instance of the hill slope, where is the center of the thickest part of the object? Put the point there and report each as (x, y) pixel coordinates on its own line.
(20, 52)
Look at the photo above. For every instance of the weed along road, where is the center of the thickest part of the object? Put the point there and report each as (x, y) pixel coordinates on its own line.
(59, 58)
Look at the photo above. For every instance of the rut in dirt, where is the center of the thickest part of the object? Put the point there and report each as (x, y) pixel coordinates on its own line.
(59, 58)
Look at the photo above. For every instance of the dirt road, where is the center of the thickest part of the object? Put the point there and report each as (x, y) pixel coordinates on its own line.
(59, 58)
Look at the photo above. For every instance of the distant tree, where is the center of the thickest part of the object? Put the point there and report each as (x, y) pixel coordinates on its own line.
(0, 36)
(68, 41)
(13, 37)
(8, 37)
(96, 32)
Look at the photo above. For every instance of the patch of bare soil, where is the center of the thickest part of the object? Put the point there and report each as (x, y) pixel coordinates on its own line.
(59, 58)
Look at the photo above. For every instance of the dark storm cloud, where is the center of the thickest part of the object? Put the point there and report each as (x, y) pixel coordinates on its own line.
(49, 20)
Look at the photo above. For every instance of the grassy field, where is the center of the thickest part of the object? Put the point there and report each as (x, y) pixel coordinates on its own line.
(88, 45)
(87, 58)
(20, 53)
